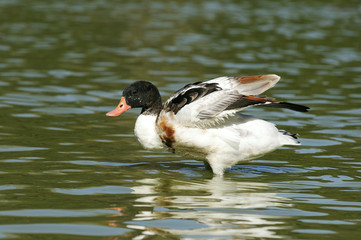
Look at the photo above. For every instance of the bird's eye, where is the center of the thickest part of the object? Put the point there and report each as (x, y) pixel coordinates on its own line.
(134, 92)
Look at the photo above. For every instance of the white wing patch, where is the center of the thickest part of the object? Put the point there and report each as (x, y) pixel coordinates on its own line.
(209, 110)
(219, 106)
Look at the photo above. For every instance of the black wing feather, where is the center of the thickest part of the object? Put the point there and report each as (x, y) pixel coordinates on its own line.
(189, 94)
(249, 101)
(291, 106)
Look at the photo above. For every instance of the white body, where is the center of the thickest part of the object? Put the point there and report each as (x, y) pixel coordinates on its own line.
(235, 139)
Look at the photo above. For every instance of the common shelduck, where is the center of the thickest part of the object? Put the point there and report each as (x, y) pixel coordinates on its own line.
(202, 120)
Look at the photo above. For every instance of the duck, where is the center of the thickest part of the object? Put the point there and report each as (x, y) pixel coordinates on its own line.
(204, 120)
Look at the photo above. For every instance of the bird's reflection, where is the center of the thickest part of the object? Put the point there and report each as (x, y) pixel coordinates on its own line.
(214, 207)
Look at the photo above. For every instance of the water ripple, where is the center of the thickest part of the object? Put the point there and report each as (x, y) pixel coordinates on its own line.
(94, 190)
(60, 228)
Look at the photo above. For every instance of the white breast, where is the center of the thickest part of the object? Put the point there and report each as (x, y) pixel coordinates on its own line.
(145, 131)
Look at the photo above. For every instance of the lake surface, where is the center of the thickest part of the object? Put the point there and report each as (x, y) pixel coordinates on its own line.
(69, 172)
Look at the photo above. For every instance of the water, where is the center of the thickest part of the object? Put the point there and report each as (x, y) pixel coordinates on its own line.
(69, 172)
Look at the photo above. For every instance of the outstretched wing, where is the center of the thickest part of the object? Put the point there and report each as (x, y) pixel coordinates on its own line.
(207, 103)
(247, 85)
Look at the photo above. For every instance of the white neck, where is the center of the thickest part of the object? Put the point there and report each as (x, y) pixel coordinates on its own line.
(146, 133)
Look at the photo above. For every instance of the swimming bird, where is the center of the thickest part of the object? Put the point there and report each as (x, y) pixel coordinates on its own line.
(202, 120)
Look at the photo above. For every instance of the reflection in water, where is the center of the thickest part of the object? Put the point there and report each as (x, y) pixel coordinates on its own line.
(215, 207)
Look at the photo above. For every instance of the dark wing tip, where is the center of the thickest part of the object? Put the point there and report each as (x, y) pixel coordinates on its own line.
(290, 106)
(248, 101)
(294, 107)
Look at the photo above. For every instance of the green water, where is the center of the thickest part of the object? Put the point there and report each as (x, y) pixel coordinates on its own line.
(69, 172)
